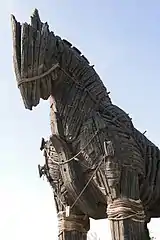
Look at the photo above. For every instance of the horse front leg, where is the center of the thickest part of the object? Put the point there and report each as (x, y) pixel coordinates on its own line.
(125, 210)
(73, 227)
(72, 223)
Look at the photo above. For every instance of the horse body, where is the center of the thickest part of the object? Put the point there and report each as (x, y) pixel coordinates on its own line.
(83, 114)
(123, 163)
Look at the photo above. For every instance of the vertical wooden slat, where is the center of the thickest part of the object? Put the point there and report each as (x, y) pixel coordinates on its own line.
(16, 33)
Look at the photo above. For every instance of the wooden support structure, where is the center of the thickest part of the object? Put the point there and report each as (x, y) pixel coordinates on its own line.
(73, 225)
(128, 225)
(125, 210)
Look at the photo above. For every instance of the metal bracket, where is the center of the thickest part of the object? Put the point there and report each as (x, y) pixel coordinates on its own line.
(43, 142)
(41, 170)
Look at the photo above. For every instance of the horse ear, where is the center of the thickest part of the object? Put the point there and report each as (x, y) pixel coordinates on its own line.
(35, 20)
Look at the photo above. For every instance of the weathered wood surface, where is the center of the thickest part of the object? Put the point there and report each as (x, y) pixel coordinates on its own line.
(75, 225)
(32, 44)
(129, 228)
(86, 120)
(75, 184)
(120, 229)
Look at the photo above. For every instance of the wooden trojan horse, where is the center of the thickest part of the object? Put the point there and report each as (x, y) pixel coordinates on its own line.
(95, 158)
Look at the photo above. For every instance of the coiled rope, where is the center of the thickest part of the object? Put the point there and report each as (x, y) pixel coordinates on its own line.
(73, 222)
(121, 209)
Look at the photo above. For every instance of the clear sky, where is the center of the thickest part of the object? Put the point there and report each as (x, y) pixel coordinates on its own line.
(122, 40)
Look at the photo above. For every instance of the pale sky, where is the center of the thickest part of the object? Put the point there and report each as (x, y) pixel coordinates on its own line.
(122, 40)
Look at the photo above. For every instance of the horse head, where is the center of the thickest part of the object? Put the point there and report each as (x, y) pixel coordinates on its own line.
(43, 60)
(36, 55)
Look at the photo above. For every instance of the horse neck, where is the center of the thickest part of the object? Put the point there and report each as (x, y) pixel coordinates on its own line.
(79, 91)
(77, 70)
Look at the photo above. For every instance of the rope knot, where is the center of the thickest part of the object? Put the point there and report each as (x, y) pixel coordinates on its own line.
(73, 222)
(121, 209)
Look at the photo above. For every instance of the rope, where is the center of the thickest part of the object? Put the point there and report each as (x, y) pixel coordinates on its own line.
(75, 156)
(69, 160)
(89, 180)
(73, 222)
(23, 80)
(59, 199)
(121, 209)
(94, 172)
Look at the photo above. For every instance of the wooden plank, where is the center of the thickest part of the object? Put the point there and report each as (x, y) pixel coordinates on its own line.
(16, 35)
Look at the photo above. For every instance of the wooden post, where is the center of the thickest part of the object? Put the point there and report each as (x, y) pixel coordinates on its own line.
(124, 223)
(125, 210)
(73, 225)
(73, 235)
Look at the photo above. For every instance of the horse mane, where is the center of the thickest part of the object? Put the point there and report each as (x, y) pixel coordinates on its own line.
(83, 74)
